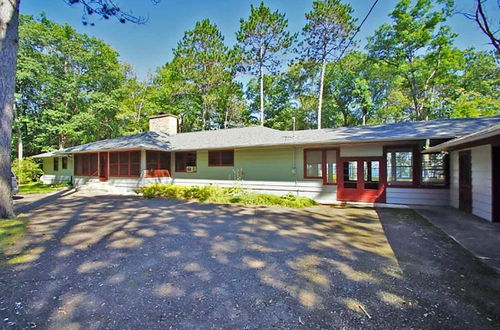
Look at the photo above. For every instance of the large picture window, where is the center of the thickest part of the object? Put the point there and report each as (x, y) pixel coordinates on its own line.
(321, 164)
(125, 163)
(221, 158)
(157, 163)
(86, 164)
(433, 169)
(185, 161)
(400, 166)
(313, 164)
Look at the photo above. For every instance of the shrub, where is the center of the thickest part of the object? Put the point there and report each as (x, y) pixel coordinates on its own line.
(27, 171)
(222, 195)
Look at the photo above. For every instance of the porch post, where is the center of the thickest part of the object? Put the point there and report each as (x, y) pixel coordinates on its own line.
(143, 163)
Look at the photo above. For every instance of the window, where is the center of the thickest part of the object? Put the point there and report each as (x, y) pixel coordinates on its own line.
(321, 164)
(221, 158)
(351, 174)
(86, 164)
(433, 169)
(125, 163)
(64, 163)
(157, 163)
(313, 164)
(184, 160)
(331, 166)
(400, 166)
(56, 164)
(371, 173)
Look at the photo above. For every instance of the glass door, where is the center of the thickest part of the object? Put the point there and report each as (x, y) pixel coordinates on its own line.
(362, 180)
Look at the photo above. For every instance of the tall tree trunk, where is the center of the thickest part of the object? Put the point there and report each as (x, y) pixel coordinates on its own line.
(261, 74)
(321, 87)
(203, 116)
(9, 34)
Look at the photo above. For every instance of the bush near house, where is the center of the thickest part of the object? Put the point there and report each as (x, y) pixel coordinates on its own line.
(26, 170)
(222, 195)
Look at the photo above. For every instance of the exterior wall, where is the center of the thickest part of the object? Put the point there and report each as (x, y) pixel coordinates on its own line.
(362, 150)
(482, 182)
(61, 176)
(115, 185)
(313, 189)
(418, 196)
(267, 170)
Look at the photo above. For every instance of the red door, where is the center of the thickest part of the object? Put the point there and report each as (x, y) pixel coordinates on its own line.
(464, 181)
(103, 166)
(362, 180)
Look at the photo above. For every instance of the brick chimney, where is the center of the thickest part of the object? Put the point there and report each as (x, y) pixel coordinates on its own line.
(163, 123)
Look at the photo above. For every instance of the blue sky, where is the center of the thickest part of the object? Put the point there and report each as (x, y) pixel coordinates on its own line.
(148, 46)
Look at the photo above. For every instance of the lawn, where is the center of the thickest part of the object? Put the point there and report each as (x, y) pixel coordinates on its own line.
(39, 188)
(10, 231)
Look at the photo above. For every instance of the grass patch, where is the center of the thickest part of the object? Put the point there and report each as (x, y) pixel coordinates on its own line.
(10, 231)
(40, 188)
(223, 195)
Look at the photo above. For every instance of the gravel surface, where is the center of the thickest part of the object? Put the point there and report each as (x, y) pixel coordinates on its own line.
(129, 263)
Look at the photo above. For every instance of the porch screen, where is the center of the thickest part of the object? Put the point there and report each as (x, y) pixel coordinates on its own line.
(86, 164)
(125, 163)
(157, 163)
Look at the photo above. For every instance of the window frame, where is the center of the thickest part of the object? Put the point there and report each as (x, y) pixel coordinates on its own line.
(64, 163)
(158, 171)
(323, 165)
(445, 169)
(55, 164)
(219, 158)
(414, 168)
(119, 163)
(184, 161)
(88, 161)
(416, 149)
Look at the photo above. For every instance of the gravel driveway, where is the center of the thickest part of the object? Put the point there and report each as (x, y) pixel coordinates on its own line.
(130, 263)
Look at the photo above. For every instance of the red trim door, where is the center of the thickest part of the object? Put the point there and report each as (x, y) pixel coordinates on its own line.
(362, 179)
(103, 166)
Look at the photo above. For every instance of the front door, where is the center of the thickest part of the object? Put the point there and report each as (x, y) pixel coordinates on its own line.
(464, 181)
(103, 166)
(362, 180)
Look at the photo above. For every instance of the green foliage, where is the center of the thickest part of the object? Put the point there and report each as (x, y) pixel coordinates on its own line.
(67, 84)
(40, 188)
(26, 170)
(262, 39)
(198, 84)
(222, 195)
(418, 48)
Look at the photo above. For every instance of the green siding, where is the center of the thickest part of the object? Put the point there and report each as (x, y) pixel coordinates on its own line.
(48, 167)
(203, 170)
(272, 164)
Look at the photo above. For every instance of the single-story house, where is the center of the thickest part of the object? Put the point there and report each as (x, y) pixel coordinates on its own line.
(374, 164)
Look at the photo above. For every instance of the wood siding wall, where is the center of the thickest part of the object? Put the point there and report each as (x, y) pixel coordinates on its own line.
(418, 196)
(481, 181)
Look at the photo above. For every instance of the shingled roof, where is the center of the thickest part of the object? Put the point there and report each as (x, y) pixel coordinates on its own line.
(257, 136)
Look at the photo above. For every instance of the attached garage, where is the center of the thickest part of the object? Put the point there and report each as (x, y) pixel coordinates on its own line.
(475, 172)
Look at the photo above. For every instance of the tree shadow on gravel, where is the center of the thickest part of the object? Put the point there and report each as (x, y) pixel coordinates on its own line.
(127, 262)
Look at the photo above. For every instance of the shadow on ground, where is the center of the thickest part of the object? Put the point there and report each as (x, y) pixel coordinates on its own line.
(126, 262)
